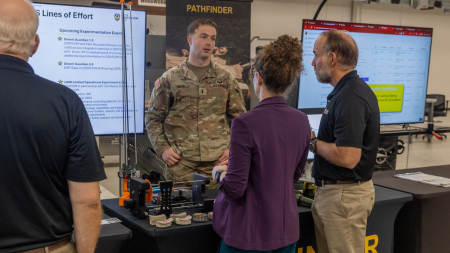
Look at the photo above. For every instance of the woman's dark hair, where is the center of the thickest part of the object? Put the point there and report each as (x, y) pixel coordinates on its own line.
(279, 63)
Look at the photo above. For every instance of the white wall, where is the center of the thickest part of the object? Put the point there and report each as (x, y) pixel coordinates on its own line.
(271, 19)
(156, 24)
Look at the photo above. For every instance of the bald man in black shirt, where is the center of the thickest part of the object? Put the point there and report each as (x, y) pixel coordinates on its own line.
(345, 148)
(50, 163)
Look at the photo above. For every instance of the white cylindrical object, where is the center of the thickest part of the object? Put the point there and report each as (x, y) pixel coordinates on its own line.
(308, 171)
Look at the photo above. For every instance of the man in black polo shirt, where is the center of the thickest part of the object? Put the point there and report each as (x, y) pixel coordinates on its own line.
(345, 148)
(50, 163)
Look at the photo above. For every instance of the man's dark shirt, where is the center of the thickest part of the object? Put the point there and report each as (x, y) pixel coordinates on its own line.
(351, 119)
(46, 139)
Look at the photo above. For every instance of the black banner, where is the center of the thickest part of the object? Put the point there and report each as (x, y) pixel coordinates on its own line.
(233, 34)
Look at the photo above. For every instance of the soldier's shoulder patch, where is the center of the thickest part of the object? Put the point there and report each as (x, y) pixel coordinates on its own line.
(157, 85)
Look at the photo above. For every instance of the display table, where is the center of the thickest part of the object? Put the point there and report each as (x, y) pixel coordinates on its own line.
(422, 225)
(112, 237)
(197, 237)
(200, 237)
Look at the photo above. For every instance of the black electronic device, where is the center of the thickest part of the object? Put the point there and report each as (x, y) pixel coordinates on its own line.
(136, 203)
(198, 191)
(166, 197)
(141, 192)
(387, 153)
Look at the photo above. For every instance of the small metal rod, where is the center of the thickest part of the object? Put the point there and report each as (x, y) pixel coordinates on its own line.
(177, 204)
(196, 181)
(123, 83)
(186, 203)
(180, 207)
(134, 97)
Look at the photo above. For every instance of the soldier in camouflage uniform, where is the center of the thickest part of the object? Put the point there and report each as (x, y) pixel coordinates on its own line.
(186, 119)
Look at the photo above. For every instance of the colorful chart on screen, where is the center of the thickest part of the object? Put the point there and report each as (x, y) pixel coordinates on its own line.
(393, 61)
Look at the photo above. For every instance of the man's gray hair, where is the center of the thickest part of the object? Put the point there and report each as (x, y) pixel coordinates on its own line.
(18, 31)
(343, 46)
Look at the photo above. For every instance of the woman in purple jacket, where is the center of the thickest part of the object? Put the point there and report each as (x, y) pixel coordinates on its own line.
(256, 209)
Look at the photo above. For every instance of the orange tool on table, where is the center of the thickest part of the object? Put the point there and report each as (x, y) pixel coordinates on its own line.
(125, 193)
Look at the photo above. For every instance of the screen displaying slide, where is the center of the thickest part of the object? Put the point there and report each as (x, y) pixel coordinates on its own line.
(393, 60)
(81, 48)
(314, 122)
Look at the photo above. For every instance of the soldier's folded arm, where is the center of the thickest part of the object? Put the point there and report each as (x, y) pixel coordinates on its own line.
(156, 115)
(235, 103)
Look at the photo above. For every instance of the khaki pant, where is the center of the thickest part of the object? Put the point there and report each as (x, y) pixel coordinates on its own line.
(68, 248)
(185, 169)
(340, 213)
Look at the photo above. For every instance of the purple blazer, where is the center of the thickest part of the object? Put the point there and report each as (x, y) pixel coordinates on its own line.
(256, 208)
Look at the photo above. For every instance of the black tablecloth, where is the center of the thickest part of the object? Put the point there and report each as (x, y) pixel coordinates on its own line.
(380, 225)
(112, 237)
(197, 237)
(422, 225)
(200, 237)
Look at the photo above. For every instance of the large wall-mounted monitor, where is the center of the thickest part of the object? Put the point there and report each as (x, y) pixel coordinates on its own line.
(81, 48)
(393, 60)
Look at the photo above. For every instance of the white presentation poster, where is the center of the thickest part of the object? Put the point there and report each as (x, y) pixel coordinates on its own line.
(81, 48)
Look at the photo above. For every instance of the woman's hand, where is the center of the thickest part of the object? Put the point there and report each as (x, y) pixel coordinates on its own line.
(214, 171)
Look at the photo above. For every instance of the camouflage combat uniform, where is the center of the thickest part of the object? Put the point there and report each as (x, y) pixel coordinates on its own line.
(189, 115)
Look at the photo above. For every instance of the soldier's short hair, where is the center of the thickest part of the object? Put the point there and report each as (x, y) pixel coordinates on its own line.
(196, 23)
(279, 63)
(343, 46)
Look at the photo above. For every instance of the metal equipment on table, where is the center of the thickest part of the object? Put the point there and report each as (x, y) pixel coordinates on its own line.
(141, 194)
(149, 162)
(136, 202)
(305, 190)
